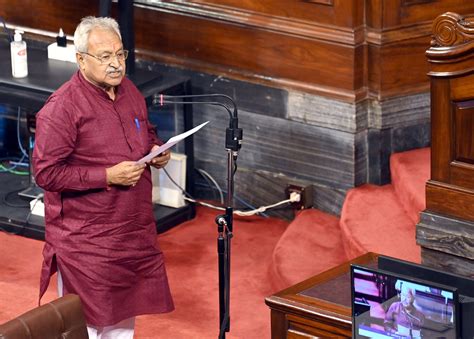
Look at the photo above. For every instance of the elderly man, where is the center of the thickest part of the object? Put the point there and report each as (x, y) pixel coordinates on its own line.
(402, 316)
(100, 228)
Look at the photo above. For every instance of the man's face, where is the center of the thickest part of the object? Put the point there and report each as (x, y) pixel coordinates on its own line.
(105, 75)
(406, 298)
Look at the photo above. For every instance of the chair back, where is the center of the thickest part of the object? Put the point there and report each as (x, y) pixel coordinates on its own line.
(61, 318)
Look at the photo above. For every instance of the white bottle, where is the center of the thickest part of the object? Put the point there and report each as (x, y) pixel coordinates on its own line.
(19, 58)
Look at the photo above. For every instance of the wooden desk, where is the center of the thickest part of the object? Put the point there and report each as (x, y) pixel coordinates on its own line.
(317, 307)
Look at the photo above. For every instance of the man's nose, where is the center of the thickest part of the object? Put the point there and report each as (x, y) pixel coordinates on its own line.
(115, 62)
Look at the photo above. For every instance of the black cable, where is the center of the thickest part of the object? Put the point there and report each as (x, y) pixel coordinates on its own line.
(40, 196)
(235, 168)
(10, 37)
(209, 182)
(12, 158)
(8, 195)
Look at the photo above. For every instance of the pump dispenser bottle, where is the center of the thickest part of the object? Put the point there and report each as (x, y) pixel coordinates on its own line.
(18, 55)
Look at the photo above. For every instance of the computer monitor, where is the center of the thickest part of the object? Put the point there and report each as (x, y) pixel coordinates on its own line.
(387, 305)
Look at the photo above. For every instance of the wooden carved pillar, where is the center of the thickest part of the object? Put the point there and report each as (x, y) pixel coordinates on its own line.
(446, 228)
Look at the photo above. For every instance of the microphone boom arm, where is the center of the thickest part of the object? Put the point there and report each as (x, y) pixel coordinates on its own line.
(233, 140)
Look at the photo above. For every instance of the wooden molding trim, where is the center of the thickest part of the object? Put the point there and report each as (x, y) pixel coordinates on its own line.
(281, 25)
(450, 200)
(290, 26)
(415, 2)
(320, 2)
(331, 92)
(399, 33)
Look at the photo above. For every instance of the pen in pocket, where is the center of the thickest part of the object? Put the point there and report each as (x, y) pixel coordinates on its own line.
(137, 123)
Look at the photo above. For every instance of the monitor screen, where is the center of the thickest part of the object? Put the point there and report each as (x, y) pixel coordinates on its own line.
(387, 305)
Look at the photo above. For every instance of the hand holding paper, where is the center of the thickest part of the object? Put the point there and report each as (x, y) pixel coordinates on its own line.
(170, 143)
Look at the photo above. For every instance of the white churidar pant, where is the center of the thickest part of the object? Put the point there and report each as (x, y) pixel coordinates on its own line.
(121, 330)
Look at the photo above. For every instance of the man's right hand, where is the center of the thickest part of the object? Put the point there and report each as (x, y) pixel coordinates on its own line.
(126, 173)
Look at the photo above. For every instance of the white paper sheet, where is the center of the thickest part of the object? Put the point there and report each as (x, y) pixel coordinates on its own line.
(170, 143)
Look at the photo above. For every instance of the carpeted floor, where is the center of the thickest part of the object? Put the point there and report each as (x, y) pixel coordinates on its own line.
(267, 255)
(191, 258)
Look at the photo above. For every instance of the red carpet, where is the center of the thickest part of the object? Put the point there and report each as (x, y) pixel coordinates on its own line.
(191, 258)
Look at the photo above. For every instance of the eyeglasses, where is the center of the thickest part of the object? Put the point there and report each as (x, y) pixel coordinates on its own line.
(107, 58)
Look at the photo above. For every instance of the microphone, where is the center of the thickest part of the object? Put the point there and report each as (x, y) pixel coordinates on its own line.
(233, 132)
(233, 142)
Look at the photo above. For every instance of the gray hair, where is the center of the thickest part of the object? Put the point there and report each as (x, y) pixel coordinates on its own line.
(87, 24)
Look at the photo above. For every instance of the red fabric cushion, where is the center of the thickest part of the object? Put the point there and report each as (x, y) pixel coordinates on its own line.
(373, 220)
(310, 245)
(410, 170)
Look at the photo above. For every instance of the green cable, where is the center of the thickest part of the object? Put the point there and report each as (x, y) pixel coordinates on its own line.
(13, 171)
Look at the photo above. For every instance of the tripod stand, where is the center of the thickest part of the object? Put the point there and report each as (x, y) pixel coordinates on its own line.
(224, 222)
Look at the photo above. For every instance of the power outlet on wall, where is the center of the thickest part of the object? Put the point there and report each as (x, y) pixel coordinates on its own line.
(305, 193)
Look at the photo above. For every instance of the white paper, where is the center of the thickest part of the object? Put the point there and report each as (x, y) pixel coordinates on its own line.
(170, 143)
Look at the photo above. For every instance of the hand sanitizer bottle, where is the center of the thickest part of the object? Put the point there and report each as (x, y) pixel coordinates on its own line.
(18, 55)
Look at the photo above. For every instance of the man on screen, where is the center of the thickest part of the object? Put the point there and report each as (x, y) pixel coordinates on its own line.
(402, 316)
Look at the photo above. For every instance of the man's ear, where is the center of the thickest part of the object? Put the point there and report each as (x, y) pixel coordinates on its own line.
(80, 60)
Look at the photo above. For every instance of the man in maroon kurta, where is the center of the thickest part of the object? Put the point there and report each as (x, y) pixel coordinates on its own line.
(100, 228)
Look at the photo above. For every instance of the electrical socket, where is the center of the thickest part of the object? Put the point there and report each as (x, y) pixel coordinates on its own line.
(306, 195)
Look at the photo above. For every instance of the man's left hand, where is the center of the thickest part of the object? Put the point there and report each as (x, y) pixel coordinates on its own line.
(161, 160)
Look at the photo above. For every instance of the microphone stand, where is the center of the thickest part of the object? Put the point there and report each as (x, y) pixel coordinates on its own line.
(233, 142)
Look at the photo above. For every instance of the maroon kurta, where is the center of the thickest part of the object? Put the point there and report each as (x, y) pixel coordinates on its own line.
(103, 239)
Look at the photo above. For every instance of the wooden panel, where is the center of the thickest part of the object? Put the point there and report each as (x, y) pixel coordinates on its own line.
(47, 15)
(322, 328)
(287, 60)
(412, 12)
(395, 59)
(463, 131)
(331, 12)
(279, 324)
(462, 87)
(441, 132)
(450, 200)
(462, 174)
